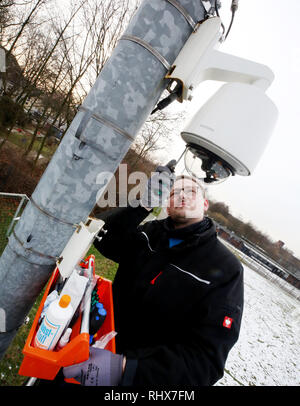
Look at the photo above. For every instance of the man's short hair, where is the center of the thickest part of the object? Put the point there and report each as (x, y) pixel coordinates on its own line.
(197, 181)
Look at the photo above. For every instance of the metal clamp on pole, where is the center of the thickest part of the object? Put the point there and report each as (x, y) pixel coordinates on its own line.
(149, 48)
(51, 215)
(183, 11)
(22, 257)
(32, 250)
(90, 114)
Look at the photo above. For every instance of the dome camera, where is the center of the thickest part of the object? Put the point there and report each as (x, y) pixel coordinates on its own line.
(229, 133)
(205, 165)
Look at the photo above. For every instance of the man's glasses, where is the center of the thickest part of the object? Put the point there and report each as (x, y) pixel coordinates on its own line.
(188, 192)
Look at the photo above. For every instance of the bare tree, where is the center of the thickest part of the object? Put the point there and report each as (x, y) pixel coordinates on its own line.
(16, 36)
(34, 7)
(156, 133)
(15, 18)
(50, 94)
(35, 74)
(112, 18)
(60, 31)
(5, 16)
(86, 46)
(84, 39)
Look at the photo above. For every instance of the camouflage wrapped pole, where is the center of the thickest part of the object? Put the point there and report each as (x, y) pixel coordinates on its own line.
(101, 133)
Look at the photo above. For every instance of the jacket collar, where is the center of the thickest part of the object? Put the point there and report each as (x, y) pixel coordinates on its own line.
(185, 232)
(193, 235)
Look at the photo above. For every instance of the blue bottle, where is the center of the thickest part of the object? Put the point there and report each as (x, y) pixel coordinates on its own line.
(97, 318)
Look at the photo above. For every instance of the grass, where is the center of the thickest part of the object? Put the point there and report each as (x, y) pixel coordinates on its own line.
(12, 360)
(22, 140)
(103, 266)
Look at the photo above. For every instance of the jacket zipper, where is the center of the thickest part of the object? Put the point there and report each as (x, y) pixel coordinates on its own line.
(177, 267)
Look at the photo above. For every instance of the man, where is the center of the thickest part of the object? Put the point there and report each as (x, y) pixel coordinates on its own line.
(178, 294)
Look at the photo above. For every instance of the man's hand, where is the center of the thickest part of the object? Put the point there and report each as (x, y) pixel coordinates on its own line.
(158, 187)
(103, 368)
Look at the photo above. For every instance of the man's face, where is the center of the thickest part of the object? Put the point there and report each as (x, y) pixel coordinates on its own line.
(186, 202)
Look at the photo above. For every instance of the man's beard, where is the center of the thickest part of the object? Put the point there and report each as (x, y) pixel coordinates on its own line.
(185, 217)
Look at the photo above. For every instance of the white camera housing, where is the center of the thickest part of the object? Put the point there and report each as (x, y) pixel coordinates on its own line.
(236, 123)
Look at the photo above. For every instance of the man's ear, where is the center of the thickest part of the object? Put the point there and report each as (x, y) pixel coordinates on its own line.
(168, 209)
(206, 205)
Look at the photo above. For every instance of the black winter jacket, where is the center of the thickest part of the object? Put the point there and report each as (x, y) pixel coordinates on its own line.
(177, 310)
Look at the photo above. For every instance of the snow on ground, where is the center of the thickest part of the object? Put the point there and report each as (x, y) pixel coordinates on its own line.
(268, 350)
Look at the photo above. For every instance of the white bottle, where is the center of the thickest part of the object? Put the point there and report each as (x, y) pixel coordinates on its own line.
(50, 298)
(56, 318)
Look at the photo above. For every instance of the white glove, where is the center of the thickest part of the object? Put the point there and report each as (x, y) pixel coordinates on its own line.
(158, 188)
(103, 368)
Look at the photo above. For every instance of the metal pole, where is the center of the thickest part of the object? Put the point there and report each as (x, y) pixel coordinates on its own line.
(31, 382)
(101, 133)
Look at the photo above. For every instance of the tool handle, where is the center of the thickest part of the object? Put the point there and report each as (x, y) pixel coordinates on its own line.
(87, 301)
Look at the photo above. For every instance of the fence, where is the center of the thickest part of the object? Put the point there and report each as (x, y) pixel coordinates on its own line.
(11, 208)
(259, 268)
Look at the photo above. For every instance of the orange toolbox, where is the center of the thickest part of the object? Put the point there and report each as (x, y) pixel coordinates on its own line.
(45, 364)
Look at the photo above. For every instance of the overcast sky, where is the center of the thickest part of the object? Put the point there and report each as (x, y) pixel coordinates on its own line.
(267, 32)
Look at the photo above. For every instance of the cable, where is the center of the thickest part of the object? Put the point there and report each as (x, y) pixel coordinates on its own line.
(216, 8)
(217, 12)
(169, 99)
(234, 7)
(230, 25)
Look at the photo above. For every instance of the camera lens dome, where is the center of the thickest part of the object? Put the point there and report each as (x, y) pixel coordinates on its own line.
(205, 166)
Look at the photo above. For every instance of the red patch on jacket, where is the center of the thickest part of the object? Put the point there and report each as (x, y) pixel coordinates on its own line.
(227, 322)
(154, 279)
